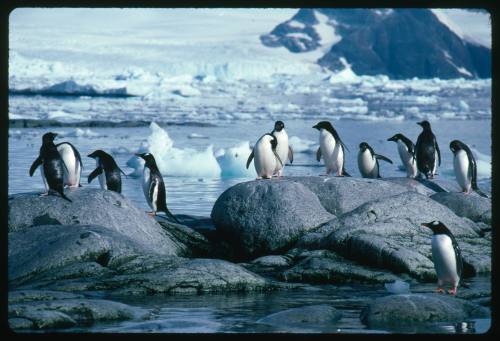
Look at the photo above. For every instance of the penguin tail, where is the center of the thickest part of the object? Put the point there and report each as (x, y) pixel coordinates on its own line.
(65, 197)
(465, 285)
(346, 174)
(170, 215)
(481, 193)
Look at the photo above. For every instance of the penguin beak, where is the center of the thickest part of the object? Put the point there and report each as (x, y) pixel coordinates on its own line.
(140, 155)
(420, 123)
(391, 139)
(315, 126)
(426, 224)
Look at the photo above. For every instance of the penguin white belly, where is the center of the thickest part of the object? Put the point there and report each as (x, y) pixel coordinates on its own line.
(331, 152)
(72, 169)
(443, 256)
(102, 176)
(146, 179)
(281, 148)
(436, 161)
(367, 164)
(461, 168)
(264, 158)
(408, 160)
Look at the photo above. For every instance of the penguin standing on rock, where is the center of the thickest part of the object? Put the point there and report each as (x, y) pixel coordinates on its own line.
(406, 150)
(154, 187)
(52, 166)
(446, 256)
(465, 168)
(107, 170)
(266, 158)
(368, 161)
(283, 149)
(331, 148)
(427, 151)
(73, 161)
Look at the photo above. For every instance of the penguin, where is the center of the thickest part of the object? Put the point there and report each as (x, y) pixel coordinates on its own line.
(406, 150)
(465, 168)
(446, 256)
(427, 151)
(107, 170)
(283, 149)
(73, 161)
(154, 187)
(266, 158)
(368, 161)
(52, 166)
(331, 148)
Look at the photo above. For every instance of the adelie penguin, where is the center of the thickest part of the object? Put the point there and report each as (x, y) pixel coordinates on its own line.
(406, 150)
(368, 161)
(154, 187)
(446, 257)
(465, 168)
(73, 162)
(265, 156)
(107, 170)
(52, 166)
(283, 149)
(331, 148)
(427, 151)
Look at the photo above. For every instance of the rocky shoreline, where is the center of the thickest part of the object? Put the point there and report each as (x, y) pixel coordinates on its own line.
(68, 261)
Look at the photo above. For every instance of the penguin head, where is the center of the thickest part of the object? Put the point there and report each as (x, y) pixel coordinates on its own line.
(395, 138)
(148, 158)
(97, 154)
(48, 137)
(424, 124)
(363, 146)
(455, 146)
(324, 125)
(437, 227)
(279, 125)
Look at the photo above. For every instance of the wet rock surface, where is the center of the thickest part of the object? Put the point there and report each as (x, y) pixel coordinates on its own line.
(471, 206)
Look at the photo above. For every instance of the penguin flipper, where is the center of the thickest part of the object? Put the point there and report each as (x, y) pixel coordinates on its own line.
(381, 157)
(290, 154)
(35, 165)
(94, 174)
(250, 157)
(278, 157)
(318, 154)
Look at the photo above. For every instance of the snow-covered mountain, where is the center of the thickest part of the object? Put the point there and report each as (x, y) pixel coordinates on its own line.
(399, 43)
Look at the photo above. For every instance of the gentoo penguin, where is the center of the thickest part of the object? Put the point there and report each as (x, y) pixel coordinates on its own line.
(282, 149)
(368, 161)
(154, 187)
(52, 166)
(465, 167)
(406, 150)
(107, 170)
(331, 148)
(446, 256)
(73, 161)
(427, 151)
(265, 155)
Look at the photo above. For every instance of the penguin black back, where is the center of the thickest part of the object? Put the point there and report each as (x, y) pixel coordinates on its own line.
(111, 170)
(408, 143)
(426, 150)
(328, 127)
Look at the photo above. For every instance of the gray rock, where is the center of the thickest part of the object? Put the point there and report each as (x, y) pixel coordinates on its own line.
(323, 266)
(267, 216)
(192, 243)
(303, 316)
(90, 207)
(418, 308)
(472, 206)
(20, 323)
(71, 312)
(339, 195)
(422, 186)
(20, 296)
(272, 261)
(389, 233)
(46, 251)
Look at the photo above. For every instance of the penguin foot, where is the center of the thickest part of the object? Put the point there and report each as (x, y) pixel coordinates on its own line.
(258, 178)
(152, 213)
(44, 194)
(73, 186)
(452, 291)
(440, 290)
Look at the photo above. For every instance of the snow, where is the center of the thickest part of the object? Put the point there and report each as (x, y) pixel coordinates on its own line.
(298, 35)
(302, 145)
(472, 26)
(296, 24)
(326, 32)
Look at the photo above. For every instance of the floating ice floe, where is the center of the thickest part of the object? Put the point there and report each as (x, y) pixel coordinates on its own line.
(302, 145)
(233, 161)
(79, 133)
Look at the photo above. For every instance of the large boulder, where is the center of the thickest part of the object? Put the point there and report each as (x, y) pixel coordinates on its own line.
(387, 233)
(267, 216)
(91, 207)
(397, 310)
(472, 206)
(303, 317)
(339, 195)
